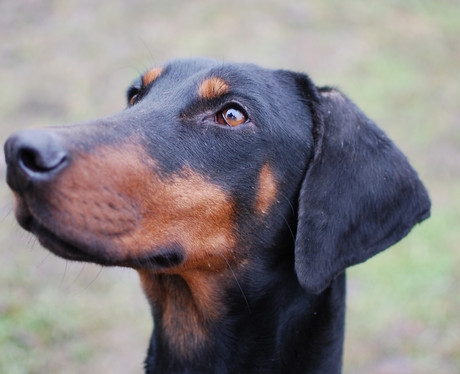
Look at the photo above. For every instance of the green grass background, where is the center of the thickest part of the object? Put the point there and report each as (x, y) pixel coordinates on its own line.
(65, 61)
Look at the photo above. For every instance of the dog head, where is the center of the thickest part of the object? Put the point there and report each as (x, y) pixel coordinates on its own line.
(210, 164)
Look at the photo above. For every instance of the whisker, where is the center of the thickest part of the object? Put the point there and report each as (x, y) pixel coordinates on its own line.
(236, 280)
(152, 59)
(76, 278)
(64, 274)
(289, 227)
(289, 202)
(48, 254)
(8, 212)
(94, 279)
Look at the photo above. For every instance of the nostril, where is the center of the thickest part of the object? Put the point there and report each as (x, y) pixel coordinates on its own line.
(28, 159)
(35, 161)
(34, 156)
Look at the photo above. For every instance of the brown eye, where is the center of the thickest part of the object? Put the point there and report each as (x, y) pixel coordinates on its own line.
(133, 100)
(133, 95)
(231, 117)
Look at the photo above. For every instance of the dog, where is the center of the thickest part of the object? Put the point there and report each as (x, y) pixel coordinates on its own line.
(239, 194)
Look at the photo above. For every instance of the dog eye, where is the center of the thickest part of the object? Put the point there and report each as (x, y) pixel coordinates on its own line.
(132, 100)
(133, 95)
(231, 116)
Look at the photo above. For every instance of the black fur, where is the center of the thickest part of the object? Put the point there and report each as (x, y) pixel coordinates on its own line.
(344, 192)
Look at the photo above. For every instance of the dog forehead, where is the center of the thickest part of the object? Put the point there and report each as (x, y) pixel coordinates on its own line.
(216, 75)
(186, 88)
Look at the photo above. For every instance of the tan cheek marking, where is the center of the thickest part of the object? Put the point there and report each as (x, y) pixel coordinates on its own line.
(196, 213)
(86, 201)
(151, 75)
(266, 190)
(212, 88)
(114, 195)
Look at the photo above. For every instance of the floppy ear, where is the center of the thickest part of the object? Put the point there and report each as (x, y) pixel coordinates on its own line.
(359, 195)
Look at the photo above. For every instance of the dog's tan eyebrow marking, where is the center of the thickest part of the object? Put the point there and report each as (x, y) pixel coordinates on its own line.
(151, 76)
(213, 87)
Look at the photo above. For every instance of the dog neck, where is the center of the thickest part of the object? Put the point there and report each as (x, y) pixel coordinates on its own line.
(185, 307)
(199, 317)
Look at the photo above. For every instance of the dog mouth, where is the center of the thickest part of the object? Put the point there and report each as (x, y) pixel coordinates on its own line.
(101, 252)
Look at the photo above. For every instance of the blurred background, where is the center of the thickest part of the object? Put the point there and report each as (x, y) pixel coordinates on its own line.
(66, 61)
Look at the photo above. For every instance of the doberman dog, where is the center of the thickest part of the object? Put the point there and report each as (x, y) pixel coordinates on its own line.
(239, 194)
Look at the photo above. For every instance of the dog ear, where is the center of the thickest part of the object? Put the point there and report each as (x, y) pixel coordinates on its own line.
(359, 195)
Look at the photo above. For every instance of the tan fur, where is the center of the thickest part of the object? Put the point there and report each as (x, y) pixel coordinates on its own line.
(212, 88)
(188, 303)
(116, 197)
(151, 76)
(118, 200)
(266, 190)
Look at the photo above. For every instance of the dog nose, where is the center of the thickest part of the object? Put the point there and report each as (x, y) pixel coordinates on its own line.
(32, 156)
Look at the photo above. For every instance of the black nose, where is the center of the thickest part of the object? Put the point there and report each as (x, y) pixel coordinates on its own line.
(33, 156)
